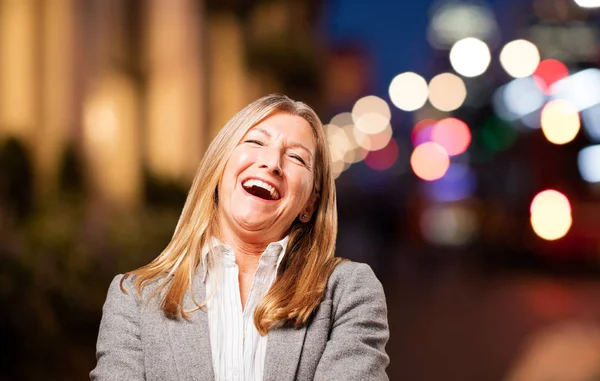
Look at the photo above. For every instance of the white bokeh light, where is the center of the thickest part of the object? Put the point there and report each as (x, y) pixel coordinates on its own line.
(470, 57)
(408, 91)
(591, 122)
(581, 88)
(588, 162)
(521, 96)
(588, 3)
(373, 142)
(519, 58)
(550, 215)
(371, 114)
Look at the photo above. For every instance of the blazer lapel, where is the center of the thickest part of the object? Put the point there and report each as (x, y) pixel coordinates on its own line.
(284, 346)
(190, 339)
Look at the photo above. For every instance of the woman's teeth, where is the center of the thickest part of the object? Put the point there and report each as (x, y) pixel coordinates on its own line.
(249, 184)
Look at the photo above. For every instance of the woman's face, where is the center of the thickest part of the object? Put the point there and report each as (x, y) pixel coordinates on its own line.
(268, 180)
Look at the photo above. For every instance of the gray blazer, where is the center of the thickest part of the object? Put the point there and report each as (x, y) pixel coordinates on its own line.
(345, 339)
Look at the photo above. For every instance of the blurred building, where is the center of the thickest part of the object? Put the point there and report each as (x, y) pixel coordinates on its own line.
(138, 88)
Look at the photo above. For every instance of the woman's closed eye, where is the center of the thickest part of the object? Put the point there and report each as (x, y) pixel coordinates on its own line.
(298, 158)
(254, 141)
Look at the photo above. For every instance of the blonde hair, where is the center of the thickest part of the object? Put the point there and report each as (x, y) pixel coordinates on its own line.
(309, 260)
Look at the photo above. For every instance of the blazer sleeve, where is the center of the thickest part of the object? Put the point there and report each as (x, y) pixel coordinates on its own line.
(355, 349)
(119, 350)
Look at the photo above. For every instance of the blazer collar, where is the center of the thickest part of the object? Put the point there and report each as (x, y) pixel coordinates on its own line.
(190, 343)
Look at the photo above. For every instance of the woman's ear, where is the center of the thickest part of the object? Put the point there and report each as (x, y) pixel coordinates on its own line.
(311, 206)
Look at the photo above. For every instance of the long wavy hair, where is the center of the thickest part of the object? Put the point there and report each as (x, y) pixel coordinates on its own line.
(309, 260)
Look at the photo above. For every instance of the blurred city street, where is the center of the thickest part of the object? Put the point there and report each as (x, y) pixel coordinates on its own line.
(458, 325)
(464, 138)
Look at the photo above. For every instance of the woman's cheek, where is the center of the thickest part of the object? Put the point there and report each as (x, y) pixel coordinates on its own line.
(245, 157)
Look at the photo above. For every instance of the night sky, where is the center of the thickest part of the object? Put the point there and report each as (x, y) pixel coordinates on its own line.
(394, 32)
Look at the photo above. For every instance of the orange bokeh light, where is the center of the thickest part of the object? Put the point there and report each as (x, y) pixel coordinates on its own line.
(452, 134)
(430, 161)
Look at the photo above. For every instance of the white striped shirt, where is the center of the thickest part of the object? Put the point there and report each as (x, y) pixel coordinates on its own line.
(238, 350)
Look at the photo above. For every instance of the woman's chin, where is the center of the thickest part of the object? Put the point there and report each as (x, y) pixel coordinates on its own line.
(257, 224)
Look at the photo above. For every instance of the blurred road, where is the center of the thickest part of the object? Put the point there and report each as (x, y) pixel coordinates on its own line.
(456, 325)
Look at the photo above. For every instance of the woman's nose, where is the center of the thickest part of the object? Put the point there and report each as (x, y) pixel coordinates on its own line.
(270, 159)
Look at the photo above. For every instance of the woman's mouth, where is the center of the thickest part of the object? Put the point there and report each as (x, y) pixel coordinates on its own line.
(260, 189)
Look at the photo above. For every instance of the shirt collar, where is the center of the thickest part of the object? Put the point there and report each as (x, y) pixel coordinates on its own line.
(273, 249)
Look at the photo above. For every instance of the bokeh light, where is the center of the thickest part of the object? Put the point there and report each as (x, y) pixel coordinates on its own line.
(581, 89)
(470, 57)
(373, 142)
(519, 58)
(452, 134)
(447, 92)
(588, 162)
(588, 3)
(591, 122)
(101, 123)
(355, 152)
(371, 114)
(518, 98)
(549, 72)
(342, 119)
(550, 215)
(342, 146)
(408, 91)
(421, 132)
(560, 121)
(453, 21)
(448, 225)
(384, 158)
(429, 161)
(339, 144)
(457, 184)
(337, 167)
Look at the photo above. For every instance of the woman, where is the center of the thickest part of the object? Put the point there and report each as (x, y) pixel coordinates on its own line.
(249, 288)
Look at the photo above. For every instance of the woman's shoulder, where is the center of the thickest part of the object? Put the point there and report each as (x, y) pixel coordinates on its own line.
(123, 284)
(349, 269)
(349, 276)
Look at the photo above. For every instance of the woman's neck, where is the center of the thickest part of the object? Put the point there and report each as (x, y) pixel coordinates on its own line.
(247, 245)
(247, 253)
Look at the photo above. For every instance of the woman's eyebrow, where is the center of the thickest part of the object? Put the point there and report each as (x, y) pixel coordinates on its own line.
(262, 130)
(292, 144)
(301, 146)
